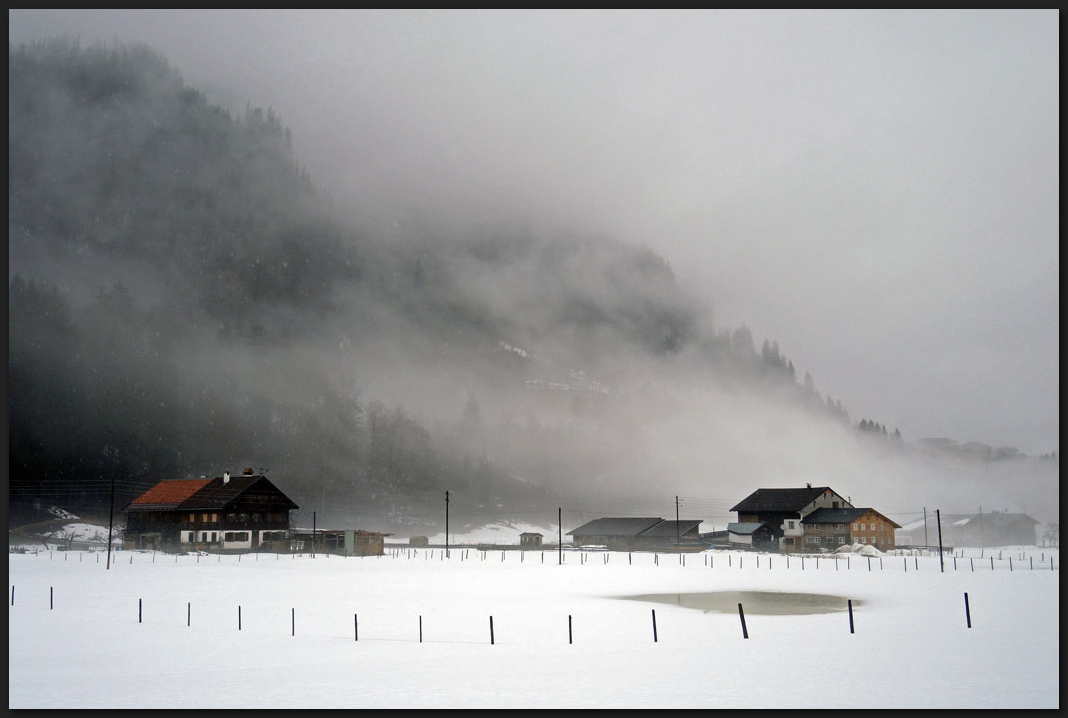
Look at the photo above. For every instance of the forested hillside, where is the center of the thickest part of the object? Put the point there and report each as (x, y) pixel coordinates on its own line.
(183, 300)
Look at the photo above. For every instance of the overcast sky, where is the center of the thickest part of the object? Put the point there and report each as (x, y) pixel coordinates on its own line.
(877, 191)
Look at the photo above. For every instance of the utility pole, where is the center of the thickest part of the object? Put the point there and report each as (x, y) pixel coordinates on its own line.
(446, 523)
(941, 561)
(925, 544)
(313, 534)
(677, 541)
(111, 521)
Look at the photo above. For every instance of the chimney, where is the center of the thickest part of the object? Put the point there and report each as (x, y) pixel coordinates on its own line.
(226, 477)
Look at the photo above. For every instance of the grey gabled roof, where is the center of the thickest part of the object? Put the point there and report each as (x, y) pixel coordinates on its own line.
(218, 493)
(670, 529)
(743, 529)
(628, 527)
(844, 516)
(833, 516)
(780, 499)
(1003, 520)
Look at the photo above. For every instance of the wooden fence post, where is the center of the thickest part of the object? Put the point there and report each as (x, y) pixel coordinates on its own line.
(654, 625)
(967, 610)
(849, 604)
(741, 615)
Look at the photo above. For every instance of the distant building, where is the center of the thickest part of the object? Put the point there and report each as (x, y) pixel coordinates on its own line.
(340, 542)
(750, 535)
(529, 539)
(625, 534)
(227, 513)
(418, 541)
(781, 511)
(831, 528)
(997, 528)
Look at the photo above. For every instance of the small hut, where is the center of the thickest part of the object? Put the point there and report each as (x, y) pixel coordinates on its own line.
(528, 539)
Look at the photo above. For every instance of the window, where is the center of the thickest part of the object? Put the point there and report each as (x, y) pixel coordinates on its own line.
(242, 518)
(255, 518)
(213, 537)
(192, 518)
(864, 539)
(215, 518)
(854, 527)
(841, 540)
(789, 524)
(863, 527)
(815, 526)
(882, 527)
(231, 517)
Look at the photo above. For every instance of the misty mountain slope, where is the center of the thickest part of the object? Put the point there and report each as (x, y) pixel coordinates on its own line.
(184, 301)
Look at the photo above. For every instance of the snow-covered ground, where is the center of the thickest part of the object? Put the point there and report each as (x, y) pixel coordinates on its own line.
(412, 629)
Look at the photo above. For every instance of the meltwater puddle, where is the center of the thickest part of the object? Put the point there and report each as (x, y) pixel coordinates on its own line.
(753, 602)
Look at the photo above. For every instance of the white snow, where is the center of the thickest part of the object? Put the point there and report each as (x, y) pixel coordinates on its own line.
(412, 630)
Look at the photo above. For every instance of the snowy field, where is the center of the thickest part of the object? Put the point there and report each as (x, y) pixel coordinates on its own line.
(511, 629)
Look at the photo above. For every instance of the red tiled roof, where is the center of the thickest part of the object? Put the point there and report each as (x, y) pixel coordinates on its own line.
(171, 492)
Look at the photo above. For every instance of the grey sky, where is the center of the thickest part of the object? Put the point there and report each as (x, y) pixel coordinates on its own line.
(877, 191)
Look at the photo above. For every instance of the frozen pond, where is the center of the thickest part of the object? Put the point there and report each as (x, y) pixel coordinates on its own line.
(753, 602)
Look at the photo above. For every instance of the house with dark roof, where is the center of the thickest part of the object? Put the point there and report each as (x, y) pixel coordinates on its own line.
(831, 528)
(236, 513)
(781, 511)
(625, 534)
